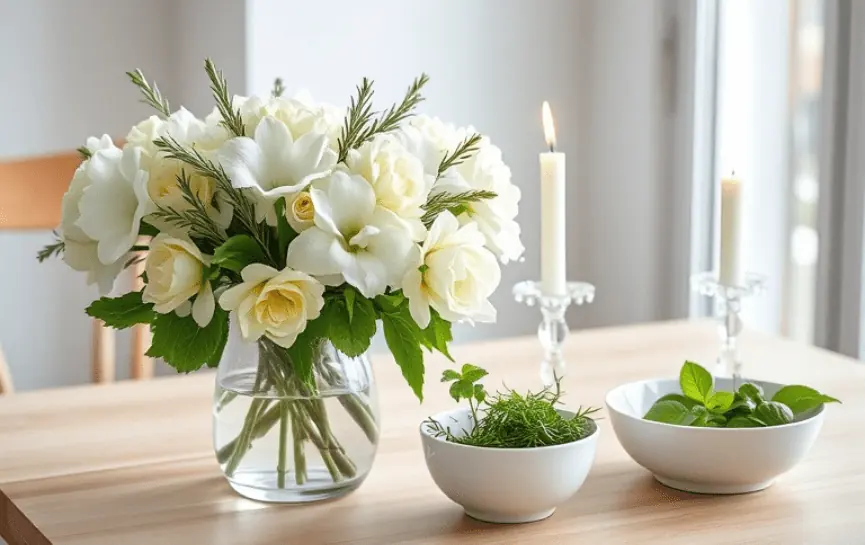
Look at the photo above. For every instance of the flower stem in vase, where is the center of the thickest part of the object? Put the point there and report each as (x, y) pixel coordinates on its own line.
(299, 455)
(283, 439)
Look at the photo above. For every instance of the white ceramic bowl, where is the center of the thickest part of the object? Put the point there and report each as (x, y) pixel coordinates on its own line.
(707, 460)
(506, 485)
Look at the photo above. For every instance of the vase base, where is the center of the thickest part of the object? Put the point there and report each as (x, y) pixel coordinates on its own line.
(714, 488)
(264, 487)
(509, 518)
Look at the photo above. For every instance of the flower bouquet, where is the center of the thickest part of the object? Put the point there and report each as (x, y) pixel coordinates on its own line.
(278, 234)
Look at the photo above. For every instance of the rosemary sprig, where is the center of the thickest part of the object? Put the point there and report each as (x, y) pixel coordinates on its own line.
(360, 127)
(278, 88)
(195, 218)
(50, 250)
(462, 153)
(231, 119)
(151, 94)
(455, 202)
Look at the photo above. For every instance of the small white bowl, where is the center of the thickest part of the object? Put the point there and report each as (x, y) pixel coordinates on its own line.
(506, 485)
(708, 460)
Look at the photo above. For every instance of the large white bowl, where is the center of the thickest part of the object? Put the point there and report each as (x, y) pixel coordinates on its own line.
(707, 460)
(506, 485)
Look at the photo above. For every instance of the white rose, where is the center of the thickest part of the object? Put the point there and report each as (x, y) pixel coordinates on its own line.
(456, 275)
(352, 239)
(274, 303)
(175, 274)
(80, 250)
(397, 178)
(274, 164)
(113, 201)
(300, 213)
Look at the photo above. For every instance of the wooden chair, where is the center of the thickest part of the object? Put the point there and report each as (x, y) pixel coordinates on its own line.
(23, 208)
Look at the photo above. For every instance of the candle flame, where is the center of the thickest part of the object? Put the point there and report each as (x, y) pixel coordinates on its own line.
(549, 125)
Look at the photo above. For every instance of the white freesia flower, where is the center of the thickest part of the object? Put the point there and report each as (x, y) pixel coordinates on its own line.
(114, 202)
(397, 178)
(456, 275)
(300, 213)
(80, 250)
(274, 303)
(485, 170)
(352, 239)
(274, 164)
(430, 139)
(175, 274)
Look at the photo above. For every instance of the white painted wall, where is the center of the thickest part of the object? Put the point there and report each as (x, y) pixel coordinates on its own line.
(492, 63)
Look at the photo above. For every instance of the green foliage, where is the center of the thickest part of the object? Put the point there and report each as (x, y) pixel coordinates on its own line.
(403, 337)
(122, 312)
(50, 250)
(185, 346)
(350, 331)
(284, 232)
(194, 218)
(453, 202)
(510, 419)
(237, 252)
(361, 124)
(84, 153)
(219, 87)
(151, 95)
(702, 406)
(438, 334)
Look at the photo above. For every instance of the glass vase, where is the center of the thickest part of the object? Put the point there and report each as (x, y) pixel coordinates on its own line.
(279, 440)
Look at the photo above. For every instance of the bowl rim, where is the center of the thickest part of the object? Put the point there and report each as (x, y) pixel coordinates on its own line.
(427, 433)
(611, 409)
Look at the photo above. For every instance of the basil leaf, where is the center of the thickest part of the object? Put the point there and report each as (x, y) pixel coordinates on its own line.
(773, 413)
(720, 402)
(801, 398)
(687, 402)
(668, 412)
(696, 382)
(744, 422)
(752, 392)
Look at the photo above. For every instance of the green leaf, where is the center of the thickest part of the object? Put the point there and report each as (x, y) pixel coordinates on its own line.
(147, 230)
(696, 382)
(456, 391)
(438, 334)
(752, 392)
(213, 361)
(741, 405)
(352, 337)
(302, 353)
(473, 373)
(284, 232)
(350, 296)
(801, 398)
(449, 374)
(185, 346)
(122, 312)
(687, 402)
(480, 393)
(744, 422)
(773, 413)
(698, 416)
(237, 252)
(391, 302)
(668, 412)
(720, 402)
(401, 334)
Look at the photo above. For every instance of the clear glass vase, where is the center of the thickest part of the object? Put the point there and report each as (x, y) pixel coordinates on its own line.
(276, 440)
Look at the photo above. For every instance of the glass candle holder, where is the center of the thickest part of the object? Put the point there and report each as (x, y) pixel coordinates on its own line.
(728, 307)
(553, 328)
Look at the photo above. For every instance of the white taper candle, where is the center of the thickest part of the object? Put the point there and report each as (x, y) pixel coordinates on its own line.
(730, 270)
(553, 225)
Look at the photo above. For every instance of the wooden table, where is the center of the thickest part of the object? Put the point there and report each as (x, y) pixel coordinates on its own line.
(132, 462)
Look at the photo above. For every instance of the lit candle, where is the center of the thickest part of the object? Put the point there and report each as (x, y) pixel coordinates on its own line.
(553, 229)
(730, 272)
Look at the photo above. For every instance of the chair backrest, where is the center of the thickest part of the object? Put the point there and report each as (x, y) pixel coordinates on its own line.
(31, 191)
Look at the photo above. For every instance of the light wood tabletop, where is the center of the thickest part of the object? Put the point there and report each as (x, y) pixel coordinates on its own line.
(132, 462)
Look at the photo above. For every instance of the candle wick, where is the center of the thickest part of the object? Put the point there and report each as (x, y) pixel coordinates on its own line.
(552, 148)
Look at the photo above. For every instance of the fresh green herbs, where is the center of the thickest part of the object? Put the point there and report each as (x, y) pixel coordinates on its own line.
(151, 94)
(456, 203)
(699, 405)
(231, 119)
(55, 248)
(461, 153)
(510, 419)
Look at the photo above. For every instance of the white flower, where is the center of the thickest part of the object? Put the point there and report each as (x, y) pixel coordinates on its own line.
(397, 178)
(352, 239)
(274, 164)
(300, 212)
(80, 250)
(456, 275)
(175, 273)
(114, 201)
(494, 217)
(430, 139)
(274, 303)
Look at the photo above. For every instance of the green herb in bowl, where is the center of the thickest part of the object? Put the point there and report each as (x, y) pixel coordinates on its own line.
(699, 405)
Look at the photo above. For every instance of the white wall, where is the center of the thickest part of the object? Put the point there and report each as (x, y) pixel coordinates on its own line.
(492, 63)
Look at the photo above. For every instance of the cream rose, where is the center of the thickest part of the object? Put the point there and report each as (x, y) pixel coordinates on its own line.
(301, 212)
(276, 304)
(456, 274)
(175, 273)
(397, 178)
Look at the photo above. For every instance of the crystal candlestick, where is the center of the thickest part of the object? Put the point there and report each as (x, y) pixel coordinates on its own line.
(553, 328)
(728, 306)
